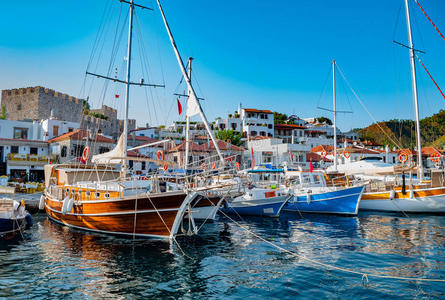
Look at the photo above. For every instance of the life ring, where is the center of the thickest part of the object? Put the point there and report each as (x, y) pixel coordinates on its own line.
(204, 166)
(324, 153)
(346, 154)
(435, 157)
(165, 167)
(86, 153)
(237, 165)
(403, 157)
(160, 155)
(213, 165)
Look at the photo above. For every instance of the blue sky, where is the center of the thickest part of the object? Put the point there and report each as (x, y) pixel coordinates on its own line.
(265, 54)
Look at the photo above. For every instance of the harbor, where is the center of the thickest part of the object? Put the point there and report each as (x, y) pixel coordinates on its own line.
(146, 186)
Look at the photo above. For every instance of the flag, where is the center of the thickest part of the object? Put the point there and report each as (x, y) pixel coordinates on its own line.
(179, 106)
(116, 96)
(291, 156)
(253, 158)
(311, 167)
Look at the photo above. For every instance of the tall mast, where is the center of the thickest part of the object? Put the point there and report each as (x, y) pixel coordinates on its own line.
(335, 115)
(414, 86)
(189, 84)
(187, 121)
(127, 87)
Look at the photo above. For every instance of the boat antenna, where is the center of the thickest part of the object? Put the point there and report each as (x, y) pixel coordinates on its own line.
(414, 87)
(193, 99)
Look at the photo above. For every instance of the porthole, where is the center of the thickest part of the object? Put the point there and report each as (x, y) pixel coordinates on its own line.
(88, 193)
(107, 195)
(97, 195)
(67, 190)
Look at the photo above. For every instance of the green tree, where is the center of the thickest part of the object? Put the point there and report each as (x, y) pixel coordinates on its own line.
(3, 113)
(229, 134)
(324, 120)
(279, 118)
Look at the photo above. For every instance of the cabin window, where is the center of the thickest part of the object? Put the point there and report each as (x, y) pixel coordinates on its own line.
(107, 195)
(97, 195)
(306, 179)
(317, 179)
(88, 193)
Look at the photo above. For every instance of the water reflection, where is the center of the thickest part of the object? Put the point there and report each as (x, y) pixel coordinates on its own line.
(225, 260)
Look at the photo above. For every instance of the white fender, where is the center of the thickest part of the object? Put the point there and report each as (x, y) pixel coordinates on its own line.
(411, 194)
(67, 205)
(392, 194)
(42, 202)
(308, 198)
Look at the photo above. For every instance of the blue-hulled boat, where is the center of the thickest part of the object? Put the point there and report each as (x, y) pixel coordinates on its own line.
(13, 215)
(311, 194)
(258, 202)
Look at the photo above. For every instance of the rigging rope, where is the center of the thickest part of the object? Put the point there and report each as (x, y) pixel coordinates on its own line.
(437, 86)
(364, 107)
(429, 19)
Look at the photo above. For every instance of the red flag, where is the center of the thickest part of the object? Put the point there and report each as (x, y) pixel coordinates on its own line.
(179, 106)
(253, 158)
(116, 96)
(291, 156)
(311, 167)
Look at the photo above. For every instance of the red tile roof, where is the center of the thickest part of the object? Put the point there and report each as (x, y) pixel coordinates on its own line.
(288, 126)
(320, 148)
(80, 134)
(316, 157)
(257, 110)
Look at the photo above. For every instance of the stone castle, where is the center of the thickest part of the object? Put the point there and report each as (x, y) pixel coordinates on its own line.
(36, 103)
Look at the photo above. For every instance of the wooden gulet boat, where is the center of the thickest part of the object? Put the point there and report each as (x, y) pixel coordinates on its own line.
(113, 207)
(109, 202)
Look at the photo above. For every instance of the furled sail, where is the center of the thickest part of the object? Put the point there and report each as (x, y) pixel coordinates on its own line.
(110, 156)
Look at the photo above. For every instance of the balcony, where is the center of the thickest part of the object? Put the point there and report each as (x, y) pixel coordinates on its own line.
(15, 157)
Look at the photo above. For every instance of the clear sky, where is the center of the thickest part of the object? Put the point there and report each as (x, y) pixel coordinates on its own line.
(265, 54)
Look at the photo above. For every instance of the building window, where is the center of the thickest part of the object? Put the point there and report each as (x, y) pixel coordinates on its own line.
(269, 134)
(143, 165)
(269, 126)
(33, 150)
(130, 164)
(56, 130)
(77, 150)
(222, 126)
(20, 133)
(253, 133)
(14, 149)
(19, 107)
(262, 133)
(63, 151)
(70, 129)
(234, 126)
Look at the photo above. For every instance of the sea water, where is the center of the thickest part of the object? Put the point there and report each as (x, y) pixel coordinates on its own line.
(228, 260)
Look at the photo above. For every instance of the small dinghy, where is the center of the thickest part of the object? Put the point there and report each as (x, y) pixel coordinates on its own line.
(13, 215)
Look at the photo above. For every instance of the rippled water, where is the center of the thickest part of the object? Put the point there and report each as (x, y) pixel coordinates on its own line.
(225, 261)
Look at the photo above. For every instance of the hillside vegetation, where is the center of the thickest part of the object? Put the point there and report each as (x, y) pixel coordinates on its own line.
(432, 131)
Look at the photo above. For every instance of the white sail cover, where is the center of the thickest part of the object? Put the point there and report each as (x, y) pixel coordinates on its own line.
(192, 106)
(106, 158)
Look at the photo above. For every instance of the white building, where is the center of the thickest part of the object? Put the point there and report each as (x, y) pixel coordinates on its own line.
(53, 127)
(269, 150)
(257, 122)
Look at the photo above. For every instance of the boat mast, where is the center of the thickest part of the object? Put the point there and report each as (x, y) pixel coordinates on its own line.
(187, 121)
(127, 87)
(414, 87)
(335, 115)
(189, 84)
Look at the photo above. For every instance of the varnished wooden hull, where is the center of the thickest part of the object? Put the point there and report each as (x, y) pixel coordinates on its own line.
(146, 216)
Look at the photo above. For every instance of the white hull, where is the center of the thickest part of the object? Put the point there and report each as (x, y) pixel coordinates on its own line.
(428, 204)
(204, 213)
